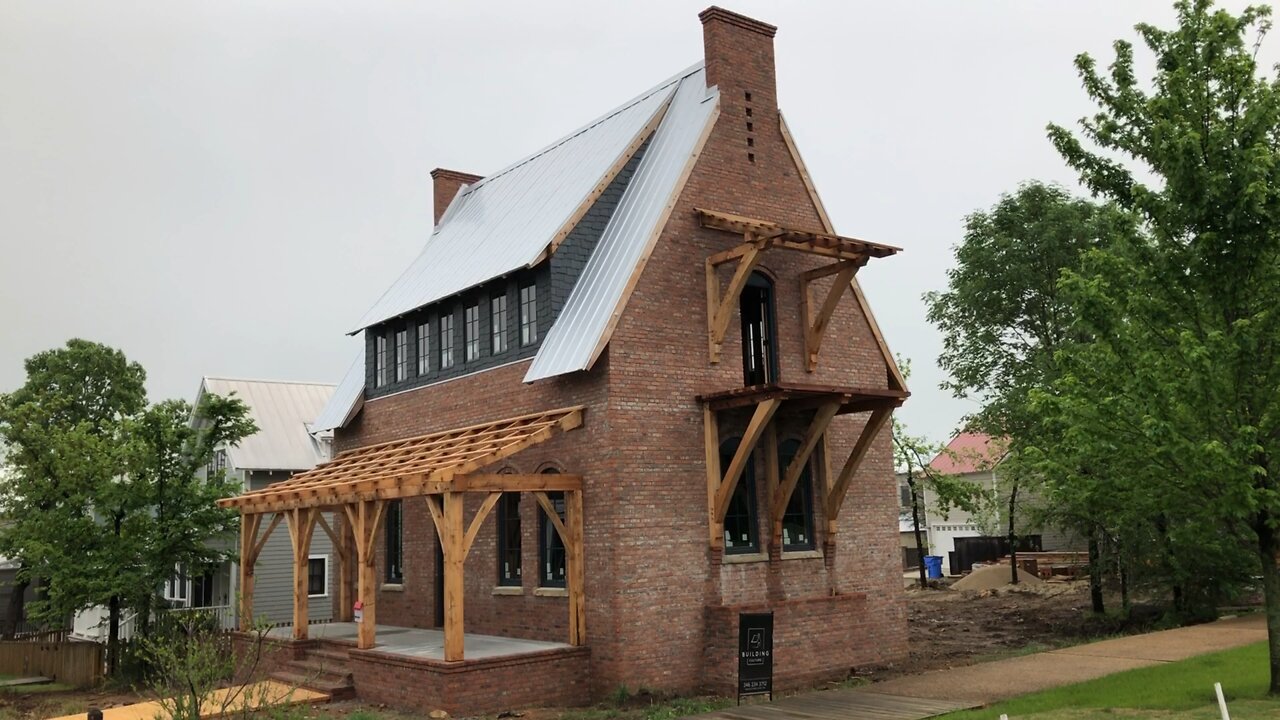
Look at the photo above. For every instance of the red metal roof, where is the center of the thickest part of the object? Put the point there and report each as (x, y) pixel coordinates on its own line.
(968, 453)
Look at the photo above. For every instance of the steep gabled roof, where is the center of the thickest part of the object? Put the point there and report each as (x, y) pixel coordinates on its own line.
(346, 398)
(511, 219)
(283, 412)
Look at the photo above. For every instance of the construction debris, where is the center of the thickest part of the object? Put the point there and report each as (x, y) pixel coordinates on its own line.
(992, 577)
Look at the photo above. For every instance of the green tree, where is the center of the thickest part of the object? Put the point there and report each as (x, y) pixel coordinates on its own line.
(1003, 316)
(105, 501)
(1183, 370)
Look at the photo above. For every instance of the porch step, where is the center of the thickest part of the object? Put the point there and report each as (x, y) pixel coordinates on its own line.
(335, 689)
(323, 669)
(333, 655)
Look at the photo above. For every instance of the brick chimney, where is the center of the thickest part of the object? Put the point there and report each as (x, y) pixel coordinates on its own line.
(739, 59)
(445, 184)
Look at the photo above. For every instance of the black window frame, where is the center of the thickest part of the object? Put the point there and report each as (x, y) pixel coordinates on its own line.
(380, 360)
(424, 348)
(471, 332)
(550, 545)
(445, 352)
(324, 576)
(742, 503)
(528, 302)
(763, 352)
(510, 562)
(801, 501)
(402, 354)
(498, 324)
(393, 558)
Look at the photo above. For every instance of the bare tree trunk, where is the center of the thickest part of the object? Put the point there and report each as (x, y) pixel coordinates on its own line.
(1123, 569)
(1013, 537)
(1095, 574)
(113, 635)
(915, 522)
(1268, 546)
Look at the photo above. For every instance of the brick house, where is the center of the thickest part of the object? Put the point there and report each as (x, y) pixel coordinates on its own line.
(629, 389)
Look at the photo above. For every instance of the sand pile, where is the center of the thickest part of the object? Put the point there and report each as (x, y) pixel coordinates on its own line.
(992, 577)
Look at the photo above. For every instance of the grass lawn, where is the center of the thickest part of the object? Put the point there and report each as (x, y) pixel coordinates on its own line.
(1173, 691)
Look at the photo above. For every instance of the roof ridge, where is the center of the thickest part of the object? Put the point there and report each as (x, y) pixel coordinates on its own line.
(267, 381)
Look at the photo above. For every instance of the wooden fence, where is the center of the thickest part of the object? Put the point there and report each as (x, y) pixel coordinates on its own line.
(71, 662)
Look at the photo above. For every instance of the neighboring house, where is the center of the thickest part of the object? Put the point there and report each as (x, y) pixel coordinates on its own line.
(976, 458)
(628, 391)
(283, 445)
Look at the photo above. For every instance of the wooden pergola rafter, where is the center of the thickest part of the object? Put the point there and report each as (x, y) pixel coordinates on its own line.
(440, 467)
(765, 401)
(848, 255)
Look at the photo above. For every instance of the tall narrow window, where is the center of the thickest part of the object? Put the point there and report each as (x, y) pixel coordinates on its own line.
(528, 314)
(394, 524)
(424, 349)
(446, 341)
(509, 539)
(759, 356)
(797, 520)
(317, 576)
(471, 328)
(402, 355)
(498, 322)
(740, 520)
(380, 361)
(551, 547)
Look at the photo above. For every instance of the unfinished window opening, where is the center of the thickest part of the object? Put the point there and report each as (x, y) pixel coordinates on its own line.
(740, 520)
(402, 355)
(498, 323)
(797, 520)
(509, 540)
(471, 328)
(446, 341)
(380, 361)
(551, 557)
(424, 349)
(759, 356)
(395, 542)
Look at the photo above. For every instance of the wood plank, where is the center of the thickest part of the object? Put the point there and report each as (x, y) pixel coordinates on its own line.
(718, 324)
(366, 514)
(841, 487)
(816, 328)
(552, 516)
(262, 541)
(711, 439)
(248, 536)
(301, 526)
(512, 482)
(759, 420)
(782, 496)
(478, 521)
(576, 568)
(453, 577)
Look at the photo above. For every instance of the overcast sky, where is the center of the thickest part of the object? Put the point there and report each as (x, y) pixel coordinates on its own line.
(223, 188)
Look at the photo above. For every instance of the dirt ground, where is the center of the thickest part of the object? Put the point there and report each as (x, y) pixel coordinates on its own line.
(57, 700)
(950, 628)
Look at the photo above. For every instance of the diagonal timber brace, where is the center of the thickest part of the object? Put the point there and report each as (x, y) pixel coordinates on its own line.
(838, 489)
(782, 495)
(817, 319)
(720, 305)
(720, 491)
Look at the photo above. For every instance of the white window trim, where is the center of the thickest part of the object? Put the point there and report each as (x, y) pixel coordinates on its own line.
(172, 583)
(326, 574)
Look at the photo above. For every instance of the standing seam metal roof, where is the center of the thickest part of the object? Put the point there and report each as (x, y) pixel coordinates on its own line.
(283, 412)
(506, 221)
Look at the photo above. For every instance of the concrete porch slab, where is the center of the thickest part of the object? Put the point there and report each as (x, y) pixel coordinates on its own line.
(423, 643)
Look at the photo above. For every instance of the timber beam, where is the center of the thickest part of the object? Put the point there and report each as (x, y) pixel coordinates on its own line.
(570, 531)
(782, 494)
(840, 487)
(250, 549)
(817, 319)
(365, 517)
(720, 490)
(302, 523)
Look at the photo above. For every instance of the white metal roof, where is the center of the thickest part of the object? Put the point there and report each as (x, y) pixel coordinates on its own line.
(283, 412)
(345, 400)
(506, 221)
(580, 332)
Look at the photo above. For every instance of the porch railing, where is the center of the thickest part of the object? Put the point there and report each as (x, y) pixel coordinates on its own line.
(225, 614)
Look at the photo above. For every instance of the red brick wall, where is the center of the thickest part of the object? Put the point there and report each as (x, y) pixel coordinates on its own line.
(553, 677)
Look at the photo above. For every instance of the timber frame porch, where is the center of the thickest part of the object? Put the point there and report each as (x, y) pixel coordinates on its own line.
(439, 468)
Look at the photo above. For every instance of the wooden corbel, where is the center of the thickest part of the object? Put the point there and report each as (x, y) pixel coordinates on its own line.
(782, 494)
(723, 492)
(720, 306)
(838, 490)
(816, 320)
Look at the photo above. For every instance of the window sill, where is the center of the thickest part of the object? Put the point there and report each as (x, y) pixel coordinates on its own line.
(801, 554)
(393, 587)
(317, 597)
(551, 592)
(508, 590)
(738, 558)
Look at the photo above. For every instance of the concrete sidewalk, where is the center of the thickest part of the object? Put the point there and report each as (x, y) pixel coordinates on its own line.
(1000, 680)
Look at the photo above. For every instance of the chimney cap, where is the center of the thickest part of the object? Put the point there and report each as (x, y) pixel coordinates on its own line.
(718, 13)
(445, 173)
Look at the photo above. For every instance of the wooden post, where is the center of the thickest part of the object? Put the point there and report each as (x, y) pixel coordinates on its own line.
(576, 568)
(302, 523)
(364, 516)
(711, 439)
(345, 549)
(248, 534)
(454, 557)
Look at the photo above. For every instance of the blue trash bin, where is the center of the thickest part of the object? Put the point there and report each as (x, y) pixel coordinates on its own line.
(933, 566)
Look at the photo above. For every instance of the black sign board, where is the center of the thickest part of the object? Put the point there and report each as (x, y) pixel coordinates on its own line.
(755, 654)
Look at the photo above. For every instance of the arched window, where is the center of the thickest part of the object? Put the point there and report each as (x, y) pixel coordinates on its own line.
(509, 539)
(740, 520)
(550, 547)
(759, 356)
(797, 520)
